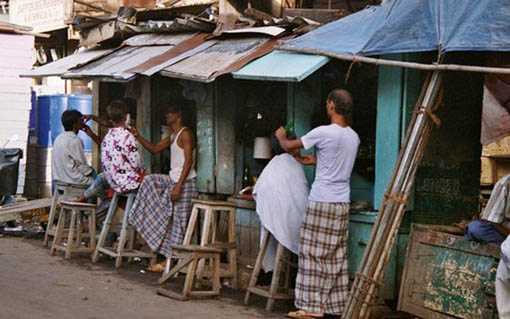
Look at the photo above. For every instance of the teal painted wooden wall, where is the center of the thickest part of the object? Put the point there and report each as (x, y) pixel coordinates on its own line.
(303, 99)
(206, 143)
(225, 150)
(398, 91)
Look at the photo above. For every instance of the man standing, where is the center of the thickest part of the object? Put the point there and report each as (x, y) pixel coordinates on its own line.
(322, 281)
(161, 209)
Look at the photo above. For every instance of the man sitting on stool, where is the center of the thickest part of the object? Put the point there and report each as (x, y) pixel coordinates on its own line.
(281, 194)
(494, 224)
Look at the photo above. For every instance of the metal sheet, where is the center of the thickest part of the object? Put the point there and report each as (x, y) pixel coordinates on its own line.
(61, 66)
(119, 65)
(115, 65)
(447, 276)
(281, 66)
(158, 39)
(208, 64)
(178, 53)
(271, 30)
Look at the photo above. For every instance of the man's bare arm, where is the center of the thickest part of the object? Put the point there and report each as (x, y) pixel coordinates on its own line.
(101, 121)
(286, 144)
(151, 147)
(501, 229)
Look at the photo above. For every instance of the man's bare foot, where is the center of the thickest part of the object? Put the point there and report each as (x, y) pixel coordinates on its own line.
(157, 267)
(81, 199)
(301, 314)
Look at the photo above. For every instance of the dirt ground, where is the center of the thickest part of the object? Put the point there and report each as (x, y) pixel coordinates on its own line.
(35, 285)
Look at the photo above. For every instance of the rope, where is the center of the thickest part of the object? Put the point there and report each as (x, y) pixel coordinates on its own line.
(396, 198)
(433, 117)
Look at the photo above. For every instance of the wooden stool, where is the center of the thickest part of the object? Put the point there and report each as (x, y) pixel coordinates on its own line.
(275, 291)
(127, 234)
(75, 231)
(190, 256)
(65, 191)
(212, 210)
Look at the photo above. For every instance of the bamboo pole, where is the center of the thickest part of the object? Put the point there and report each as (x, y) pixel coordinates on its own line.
(377, 252)
(410, 65)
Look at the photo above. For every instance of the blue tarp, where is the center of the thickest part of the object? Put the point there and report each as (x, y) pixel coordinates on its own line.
(401, 26)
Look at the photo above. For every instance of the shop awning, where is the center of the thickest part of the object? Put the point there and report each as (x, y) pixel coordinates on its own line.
(225, 56)
(61, 66)
(281, 66)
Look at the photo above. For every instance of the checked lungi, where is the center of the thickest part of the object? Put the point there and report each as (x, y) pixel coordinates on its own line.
(160, 222)
(322, 284)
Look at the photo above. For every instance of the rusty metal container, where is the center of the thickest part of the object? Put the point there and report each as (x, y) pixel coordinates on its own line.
(447, 276)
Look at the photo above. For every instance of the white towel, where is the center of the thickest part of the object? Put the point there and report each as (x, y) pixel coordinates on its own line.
(281, 194)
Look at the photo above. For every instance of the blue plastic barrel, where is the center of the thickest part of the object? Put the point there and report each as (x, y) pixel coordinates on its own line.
(49, 113)
(58, 104)
(82, 103)
(33, 121)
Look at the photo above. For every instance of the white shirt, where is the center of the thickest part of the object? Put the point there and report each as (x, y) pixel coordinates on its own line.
(337, 148)
(68, 162)
(498, 207)
(177, 160)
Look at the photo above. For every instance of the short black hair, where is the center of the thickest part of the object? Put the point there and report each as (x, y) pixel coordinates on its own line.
(69, 118)
(117, 111)
(175, 108)
(276, 149)
(342, 100)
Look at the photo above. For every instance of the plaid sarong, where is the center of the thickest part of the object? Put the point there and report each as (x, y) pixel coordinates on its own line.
(152, 214)
(322, 284)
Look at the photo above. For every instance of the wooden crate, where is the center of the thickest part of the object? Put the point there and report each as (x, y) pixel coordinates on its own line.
(493, 168)
(447, 276)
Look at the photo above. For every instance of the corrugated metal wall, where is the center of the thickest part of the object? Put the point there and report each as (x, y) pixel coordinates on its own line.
(15, 58)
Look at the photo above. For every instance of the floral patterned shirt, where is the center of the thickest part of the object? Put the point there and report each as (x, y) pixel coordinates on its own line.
(120, 159)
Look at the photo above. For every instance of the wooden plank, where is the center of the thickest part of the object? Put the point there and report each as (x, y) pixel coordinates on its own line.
(18, 210)
(319, 15)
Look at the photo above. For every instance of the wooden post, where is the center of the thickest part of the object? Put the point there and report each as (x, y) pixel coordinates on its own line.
(143, 118)
(96, 101)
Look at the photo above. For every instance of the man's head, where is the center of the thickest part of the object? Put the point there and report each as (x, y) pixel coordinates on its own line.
(339, 102)
(173, 114)
(276, 149)
(71, 120)
(117, 111)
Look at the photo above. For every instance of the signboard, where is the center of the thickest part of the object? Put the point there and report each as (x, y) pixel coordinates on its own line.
(41, 15)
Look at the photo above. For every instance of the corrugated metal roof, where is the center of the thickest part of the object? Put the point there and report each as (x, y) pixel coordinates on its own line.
(118, 65)
(115, 65)
(208, 64)
(61, 66)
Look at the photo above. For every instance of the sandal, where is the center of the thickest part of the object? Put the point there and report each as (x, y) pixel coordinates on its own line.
(301, 314)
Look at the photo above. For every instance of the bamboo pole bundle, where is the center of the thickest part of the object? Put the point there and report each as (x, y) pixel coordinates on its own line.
(375, 258)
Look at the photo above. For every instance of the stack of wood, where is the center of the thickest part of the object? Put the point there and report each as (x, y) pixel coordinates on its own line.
(495, 161)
